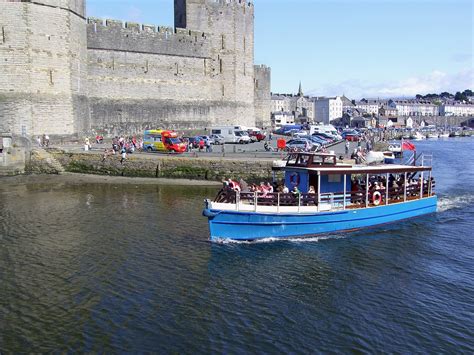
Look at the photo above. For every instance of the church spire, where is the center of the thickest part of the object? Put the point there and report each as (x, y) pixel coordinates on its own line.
(300, 90)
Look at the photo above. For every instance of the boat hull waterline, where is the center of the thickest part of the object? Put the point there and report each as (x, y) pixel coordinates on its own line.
(245, 226)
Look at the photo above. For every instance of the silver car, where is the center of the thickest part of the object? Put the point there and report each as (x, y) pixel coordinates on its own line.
(217, 139)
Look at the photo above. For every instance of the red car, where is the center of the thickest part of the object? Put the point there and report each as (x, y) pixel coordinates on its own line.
(257, 136)
(351, 137)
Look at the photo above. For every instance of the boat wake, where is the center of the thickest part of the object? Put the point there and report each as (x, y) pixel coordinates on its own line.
(449, 203)
(273, 240)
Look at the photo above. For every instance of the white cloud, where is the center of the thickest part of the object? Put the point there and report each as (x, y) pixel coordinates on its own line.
(434, 82)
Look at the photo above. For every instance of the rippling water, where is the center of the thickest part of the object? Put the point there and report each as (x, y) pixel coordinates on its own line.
(120, 267)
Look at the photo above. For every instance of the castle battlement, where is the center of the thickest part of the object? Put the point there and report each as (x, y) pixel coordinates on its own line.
(138, 27)
(117, 35)
(233, 2)
(262, 68)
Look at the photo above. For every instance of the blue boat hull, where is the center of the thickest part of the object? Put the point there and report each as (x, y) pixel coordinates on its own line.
(252, 226)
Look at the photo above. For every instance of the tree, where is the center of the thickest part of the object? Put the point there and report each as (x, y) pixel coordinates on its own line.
(468, 92)
(446, 95)
(460, 97)
(419, 97)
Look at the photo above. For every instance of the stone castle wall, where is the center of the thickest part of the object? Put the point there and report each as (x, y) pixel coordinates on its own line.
(68, 75)
(43, 56)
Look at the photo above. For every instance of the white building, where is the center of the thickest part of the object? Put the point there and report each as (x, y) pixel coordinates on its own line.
(369, 106)
(327, 109)
(457, 109)
(280, 103)
(281, 118)
(415, 108)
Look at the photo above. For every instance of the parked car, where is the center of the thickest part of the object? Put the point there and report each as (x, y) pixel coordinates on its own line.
(196, 139)
(318, 140)
(300, 134)
(326, 139)
(217, 139)
(299, 144)
(242, 137)
(350, 136)
(257, 136)
(326, 135)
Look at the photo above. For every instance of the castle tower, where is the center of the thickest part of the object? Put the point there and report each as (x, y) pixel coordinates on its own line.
(263, 99)
(43, 72)
(230, 24)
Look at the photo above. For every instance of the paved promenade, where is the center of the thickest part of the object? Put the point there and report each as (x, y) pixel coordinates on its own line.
(228, 151)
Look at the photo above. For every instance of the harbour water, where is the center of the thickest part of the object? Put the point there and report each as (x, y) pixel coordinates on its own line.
(127, 267)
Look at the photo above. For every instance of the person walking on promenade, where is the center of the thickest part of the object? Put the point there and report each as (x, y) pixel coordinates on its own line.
(87, 144)
(38, 140)
(347, 145)
(201, 144)
(208, 145)
(124, 155)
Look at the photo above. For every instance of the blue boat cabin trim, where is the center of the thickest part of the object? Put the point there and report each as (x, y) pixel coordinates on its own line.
(303, 179)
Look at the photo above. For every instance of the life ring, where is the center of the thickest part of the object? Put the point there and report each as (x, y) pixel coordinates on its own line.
(376, 198)
(295, 179)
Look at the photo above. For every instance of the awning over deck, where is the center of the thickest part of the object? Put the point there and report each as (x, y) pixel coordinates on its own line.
(366, 169)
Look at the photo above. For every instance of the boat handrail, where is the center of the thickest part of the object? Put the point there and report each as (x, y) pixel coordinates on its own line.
(334, 200)
(424, 158)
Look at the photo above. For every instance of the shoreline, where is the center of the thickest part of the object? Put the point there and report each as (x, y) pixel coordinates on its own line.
(77, 178)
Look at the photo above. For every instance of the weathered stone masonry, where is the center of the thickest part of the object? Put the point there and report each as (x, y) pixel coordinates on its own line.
(63, 74)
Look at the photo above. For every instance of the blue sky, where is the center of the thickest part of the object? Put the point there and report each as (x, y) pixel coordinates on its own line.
(366, 48)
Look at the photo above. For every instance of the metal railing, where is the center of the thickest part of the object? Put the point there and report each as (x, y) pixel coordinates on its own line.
(330, 201)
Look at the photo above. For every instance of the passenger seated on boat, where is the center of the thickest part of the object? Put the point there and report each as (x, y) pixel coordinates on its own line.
(234, 185)
(295, 191)
(244, 187)
(269, 188)
(355, 188)
(262, 189)
(285, 189)
(391, 180)
(311, 190)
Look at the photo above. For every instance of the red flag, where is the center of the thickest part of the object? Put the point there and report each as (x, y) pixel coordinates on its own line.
(407, 145)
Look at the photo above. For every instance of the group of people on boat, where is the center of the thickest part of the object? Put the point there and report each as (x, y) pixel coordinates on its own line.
(262, 189)
(379, 183)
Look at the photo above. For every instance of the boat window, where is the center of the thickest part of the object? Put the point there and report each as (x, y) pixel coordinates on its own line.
(292, 158)
(324, 160)
(303, 160)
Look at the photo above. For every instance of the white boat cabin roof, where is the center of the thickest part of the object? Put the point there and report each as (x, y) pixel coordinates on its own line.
(326, 164)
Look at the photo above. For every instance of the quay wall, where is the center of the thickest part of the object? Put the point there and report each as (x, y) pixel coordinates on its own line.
(174, 167)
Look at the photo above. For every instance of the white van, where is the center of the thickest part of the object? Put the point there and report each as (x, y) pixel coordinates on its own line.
(232, 134)
(327, 129)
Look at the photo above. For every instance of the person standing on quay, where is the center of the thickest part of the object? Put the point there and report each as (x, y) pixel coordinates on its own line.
(124, 155)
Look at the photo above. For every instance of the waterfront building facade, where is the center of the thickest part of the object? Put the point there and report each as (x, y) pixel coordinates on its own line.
(453, 108)
(65, 74)
(280, 103)
(281, 118)
(369, 106)
(414, 108)
(327, 109)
